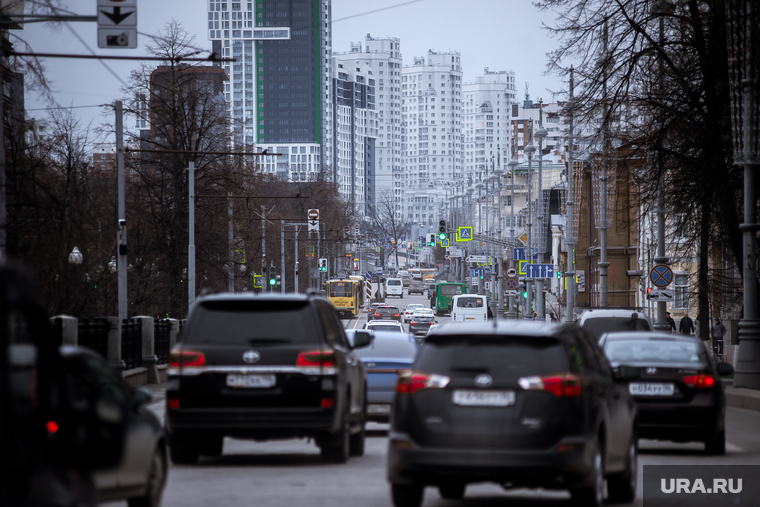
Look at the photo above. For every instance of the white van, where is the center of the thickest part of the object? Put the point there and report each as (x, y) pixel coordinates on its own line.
(469, 308)
(394, 287)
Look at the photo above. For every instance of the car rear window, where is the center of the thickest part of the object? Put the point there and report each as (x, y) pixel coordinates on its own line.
(654, 350)
(598, 326)
(388, 348)
(513, 357)
(469, 302)
(387, 310)
(394, 282)
(252, 322)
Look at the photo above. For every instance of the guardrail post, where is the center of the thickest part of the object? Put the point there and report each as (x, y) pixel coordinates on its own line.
(67, 329)
(149, 358)
(113, 343)
(173, 333)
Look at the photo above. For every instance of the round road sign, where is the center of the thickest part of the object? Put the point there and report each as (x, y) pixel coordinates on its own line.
(346, 229)
(661, 275)
(356, 227)
(511, 272)
(511, 283)
(313, 214)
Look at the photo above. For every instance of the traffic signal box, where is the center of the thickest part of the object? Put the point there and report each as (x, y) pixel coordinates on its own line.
(323, 264)
(272, 276)
(441, 230)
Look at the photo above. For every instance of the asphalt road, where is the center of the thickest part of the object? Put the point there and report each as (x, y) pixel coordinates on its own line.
(290, 473)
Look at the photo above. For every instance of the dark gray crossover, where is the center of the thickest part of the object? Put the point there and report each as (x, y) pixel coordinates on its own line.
(519, 404)
(265, 367)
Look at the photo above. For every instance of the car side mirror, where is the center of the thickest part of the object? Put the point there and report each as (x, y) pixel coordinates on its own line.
(140, 397)
(627, 373)
(362, 338)
(724, 369)
(449, 307)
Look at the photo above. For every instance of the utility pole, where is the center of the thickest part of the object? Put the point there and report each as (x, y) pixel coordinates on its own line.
(540, 134)
(190, 233)
(282, 257)
(121, 235)
(295, 268)
(264, 249)
(513, 163)
(231, 272)
(569, 237)
(603, 264)
(529, 150)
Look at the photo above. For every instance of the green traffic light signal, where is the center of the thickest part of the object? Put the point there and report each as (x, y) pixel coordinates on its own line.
(272, 281)
(559, 275)
(442, 236)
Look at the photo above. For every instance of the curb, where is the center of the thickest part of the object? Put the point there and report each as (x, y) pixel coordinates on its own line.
(743, 398)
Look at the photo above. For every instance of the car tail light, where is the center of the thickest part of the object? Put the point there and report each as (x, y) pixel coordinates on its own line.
(179, 358)
(563, 385)
(324, 358)
(377, 315)
(409, 382)
(327, 403)
(413, 323)
(396, 315)
(173, 403)
(700, 381)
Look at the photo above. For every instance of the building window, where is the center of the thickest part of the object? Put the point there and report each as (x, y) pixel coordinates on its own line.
(681, 296)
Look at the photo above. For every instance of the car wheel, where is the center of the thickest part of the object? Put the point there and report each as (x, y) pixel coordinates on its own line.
(593, 494)
(356, 441)
(183, 450)
(336, 447)
(453, 491)
(154, 489)
(407, 495)
(621, 488)
(715, 445)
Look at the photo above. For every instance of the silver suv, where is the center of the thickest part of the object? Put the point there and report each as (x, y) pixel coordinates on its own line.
(604, 320)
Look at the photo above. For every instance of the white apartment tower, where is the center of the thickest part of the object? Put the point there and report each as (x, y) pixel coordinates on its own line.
(280, 83)
(487, 106)
(379, 60)
(432, 119)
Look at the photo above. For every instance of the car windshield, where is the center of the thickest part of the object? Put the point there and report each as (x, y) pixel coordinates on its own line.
(251, 322)
(388, 348)
(653, 350)
(340, 289)
(598, 326)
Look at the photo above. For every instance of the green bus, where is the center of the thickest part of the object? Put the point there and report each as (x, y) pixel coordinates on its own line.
(444, 291)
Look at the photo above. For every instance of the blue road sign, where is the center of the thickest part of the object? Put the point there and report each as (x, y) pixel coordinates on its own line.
(476, 272)
(521, 254)
(445, 242)
(465, 233)
(368, 275)
(539, 271)
(403, 238)
(661, 275)
(379, 270)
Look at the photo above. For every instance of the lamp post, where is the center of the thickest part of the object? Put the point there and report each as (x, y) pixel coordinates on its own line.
(569, 238)
(540, 134)
(75, 257)
(529, 151)
(513, 163)
(479, 186)
(499, 258)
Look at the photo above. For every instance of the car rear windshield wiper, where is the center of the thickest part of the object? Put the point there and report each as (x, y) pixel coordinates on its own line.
(268, 340)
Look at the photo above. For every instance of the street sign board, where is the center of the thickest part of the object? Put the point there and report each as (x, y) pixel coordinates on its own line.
(313, 219)
(456, 252)
(477, 258)
(511, 284)
(511, 272)
(661, 275)
(540, 271)
(521, 254)
(117, 24)
(487, 276)
(258, 281)
(524, 238)
(445, 242)
(476, 272)
(346, 229)
(368, 275)
(511, 293)
(379, 270)
(661, 295)
(521, 267)
(465, 233)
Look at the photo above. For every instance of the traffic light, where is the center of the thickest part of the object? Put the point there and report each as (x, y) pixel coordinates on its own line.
(272, 276)
(323, 264)
(430, 239)
(524, 290)
(649, 292)
(277, 282)
(442, 230)
(559, 275)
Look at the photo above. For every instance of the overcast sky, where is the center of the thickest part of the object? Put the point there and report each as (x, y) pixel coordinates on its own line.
(498, 34)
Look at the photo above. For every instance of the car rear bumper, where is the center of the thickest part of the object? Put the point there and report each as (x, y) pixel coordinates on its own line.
(679, 422)
(523, 467)
(251, 422)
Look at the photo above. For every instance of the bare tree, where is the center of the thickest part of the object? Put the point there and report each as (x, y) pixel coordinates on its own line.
(385, 221)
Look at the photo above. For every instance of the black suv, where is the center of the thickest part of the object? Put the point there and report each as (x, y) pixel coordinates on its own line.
(265, 367)
(521, 405)
(387, 313)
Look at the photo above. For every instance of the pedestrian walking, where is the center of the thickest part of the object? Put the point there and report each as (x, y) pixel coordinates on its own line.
(535, 315)
(717, 332)
(686, 326)
(553, 317)
(671, 322)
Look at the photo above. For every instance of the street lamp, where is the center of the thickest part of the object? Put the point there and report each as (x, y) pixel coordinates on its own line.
(75, 257)
(529, 151)
(540, 134)
(513, 163)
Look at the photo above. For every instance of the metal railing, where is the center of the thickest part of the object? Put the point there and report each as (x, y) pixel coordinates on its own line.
(131, 344)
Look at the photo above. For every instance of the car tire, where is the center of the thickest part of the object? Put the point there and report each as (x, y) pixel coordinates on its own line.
(335, 448)
(453, 491)
(715, 444)
(621, 488)
(593, 494)
(407, 495)
(357, 440)
(154, 489)
(183, 450)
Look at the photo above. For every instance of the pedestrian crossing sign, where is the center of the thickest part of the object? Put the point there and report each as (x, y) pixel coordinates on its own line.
(465, 233)
(445, 242)
(521, 267)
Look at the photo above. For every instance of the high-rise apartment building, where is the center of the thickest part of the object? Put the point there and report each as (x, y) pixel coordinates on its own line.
(432, 119)
(378, 60)
(279, 89)
(487, 106)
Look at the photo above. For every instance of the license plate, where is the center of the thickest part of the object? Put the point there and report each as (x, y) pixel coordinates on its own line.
(483, 398)
(378, 409)
(469, 318)
(251, 381)
(651, 389)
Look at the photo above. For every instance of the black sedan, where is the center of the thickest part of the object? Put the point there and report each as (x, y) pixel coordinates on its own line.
(678, 388)
(420, 323)
(519, 404)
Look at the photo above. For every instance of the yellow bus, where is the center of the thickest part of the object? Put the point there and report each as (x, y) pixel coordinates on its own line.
(344, 296)
(360, 281)
(428, 273)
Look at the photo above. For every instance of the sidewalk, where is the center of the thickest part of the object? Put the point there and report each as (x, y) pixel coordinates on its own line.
(743, 398)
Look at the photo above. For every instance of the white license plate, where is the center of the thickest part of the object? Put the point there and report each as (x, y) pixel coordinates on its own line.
(378, 409)
(251, 381)
(651, 389)
(483, 398)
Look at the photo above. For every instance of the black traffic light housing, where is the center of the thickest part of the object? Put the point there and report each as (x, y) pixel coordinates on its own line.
(442, 230)
(272, 276)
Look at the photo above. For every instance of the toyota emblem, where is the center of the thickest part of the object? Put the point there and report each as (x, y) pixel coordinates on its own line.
(483, 380)
(651, 371)
(251, 356)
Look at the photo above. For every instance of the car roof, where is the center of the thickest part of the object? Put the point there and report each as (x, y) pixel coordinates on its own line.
(649, 335)
(499, 328)
(606, 312)
(256, 296)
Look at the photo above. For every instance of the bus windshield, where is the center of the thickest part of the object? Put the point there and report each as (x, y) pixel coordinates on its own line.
(340, 289)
